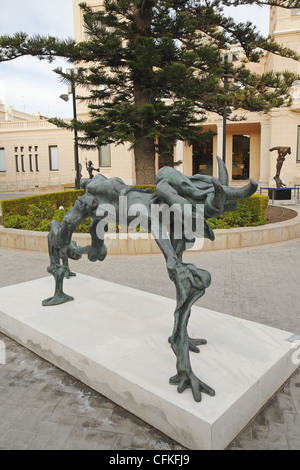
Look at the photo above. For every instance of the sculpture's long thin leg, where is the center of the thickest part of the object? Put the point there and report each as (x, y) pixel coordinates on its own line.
(190, 284)
(56, 269)
(65, 260)
(59, 242)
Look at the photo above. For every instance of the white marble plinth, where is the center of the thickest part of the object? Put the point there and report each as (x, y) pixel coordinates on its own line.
(114, 339)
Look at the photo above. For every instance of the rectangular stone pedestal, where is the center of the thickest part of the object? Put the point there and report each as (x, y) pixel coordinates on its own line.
(280, 194)
(114, 339)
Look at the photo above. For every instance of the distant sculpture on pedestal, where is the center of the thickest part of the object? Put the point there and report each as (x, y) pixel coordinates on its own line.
(282, 153)
(90, 168)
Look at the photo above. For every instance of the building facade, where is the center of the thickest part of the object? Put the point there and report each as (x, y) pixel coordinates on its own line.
(248, 143)
(34, 153)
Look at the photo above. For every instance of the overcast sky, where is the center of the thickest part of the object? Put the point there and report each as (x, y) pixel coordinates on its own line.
(30, 85)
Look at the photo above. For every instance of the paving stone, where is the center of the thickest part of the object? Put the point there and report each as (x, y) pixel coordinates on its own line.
(41, 407)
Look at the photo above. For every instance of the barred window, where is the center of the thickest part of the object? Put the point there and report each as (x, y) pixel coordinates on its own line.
(298, 145)
(104, 156)
(2, 161)
(23, 163)
(30, 163)
(37, 165)
(53, 157)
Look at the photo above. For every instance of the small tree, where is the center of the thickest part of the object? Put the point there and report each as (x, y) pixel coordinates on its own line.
(151, 69)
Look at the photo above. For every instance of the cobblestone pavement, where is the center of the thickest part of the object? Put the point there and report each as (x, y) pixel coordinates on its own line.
(42, 407)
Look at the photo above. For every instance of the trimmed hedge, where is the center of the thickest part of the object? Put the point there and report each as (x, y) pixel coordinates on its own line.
(257, 204)
(21, 206)
(146, 186)
(18, 213)
(250, 212)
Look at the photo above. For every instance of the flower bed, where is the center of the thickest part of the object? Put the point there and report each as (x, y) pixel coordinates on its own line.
(250, 212)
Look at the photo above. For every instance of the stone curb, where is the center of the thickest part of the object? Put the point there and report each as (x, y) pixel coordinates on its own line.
(138, 244)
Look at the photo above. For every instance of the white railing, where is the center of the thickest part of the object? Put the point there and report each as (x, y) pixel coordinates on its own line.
(27, 125)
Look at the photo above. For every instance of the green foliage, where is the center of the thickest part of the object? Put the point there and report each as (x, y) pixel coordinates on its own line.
(21, 205)
(146, 186)
(152, 69)
(36, 212)
(38, 219)
(251, 212)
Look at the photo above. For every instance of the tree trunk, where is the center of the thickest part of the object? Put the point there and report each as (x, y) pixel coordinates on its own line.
(144, 151)
(144, 156)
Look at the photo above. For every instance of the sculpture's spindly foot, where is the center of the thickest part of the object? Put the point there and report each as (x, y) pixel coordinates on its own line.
(186, 379)
(193, 343)
(69, 274)
(57, 300)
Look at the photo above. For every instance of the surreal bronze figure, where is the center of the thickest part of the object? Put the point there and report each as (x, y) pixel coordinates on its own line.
(90, 169)
(282, 153)
(173, 189)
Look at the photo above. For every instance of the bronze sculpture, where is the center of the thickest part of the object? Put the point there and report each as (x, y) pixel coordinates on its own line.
(282, 153)
(105, 198)
(90, 168)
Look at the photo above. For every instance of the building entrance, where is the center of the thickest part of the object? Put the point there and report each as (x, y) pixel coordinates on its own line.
(241, 157)
(203, 158)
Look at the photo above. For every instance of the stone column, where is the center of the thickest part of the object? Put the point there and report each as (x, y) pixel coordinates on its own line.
(264, 170)
(220, 140)
(179, 155)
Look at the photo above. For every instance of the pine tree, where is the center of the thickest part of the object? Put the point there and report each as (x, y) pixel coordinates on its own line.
(153, 68)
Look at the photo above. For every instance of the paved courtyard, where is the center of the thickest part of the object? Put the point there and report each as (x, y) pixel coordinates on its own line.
(42, 407)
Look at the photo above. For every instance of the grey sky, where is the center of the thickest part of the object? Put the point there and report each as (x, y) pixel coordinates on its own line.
(30, 85)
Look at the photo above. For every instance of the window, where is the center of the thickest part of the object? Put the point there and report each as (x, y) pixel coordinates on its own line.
(295, 11)
(30, 163)
(2, 161)
(37, 166)
(298, 145)
(53, 156)
(16, 149)
(17, 163)
(23, 163)
(104, 156)
(30, 148)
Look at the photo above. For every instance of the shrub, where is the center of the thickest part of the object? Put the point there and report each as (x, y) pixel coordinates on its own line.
(36, 212)
(250, 212)
(21, 205)
(146, 186)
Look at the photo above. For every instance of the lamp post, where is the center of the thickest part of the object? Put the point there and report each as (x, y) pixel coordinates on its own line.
(227, 78)
(65, 97)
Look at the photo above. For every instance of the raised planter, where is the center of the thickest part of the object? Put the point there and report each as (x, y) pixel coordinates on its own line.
(144, 244)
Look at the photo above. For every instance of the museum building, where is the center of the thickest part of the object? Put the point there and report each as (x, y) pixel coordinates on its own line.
(34, 152)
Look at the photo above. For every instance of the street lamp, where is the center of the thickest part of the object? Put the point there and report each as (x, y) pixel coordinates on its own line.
(228, 78)
(65, 97)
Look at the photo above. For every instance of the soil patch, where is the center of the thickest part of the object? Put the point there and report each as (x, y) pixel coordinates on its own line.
(279, 214)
